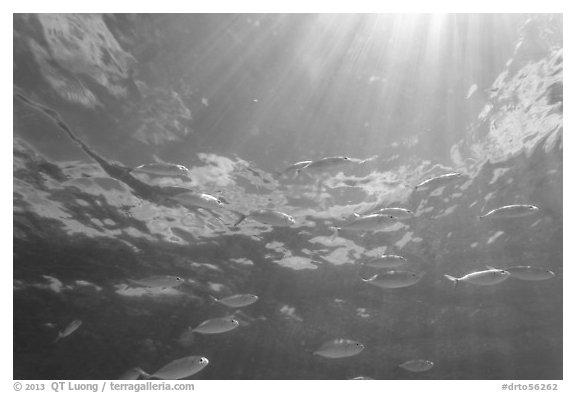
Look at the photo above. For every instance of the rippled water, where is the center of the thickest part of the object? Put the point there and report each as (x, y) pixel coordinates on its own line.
(237, 99)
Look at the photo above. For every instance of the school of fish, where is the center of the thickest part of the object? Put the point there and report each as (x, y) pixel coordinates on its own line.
(384, 218)
(392, 270)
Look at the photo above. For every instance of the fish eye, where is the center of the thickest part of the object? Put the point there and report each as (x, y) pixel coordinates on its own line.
(178, 279)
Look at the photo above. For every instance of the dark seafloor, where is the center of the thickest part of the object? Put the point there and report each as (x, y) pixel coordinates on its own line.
(236, 98)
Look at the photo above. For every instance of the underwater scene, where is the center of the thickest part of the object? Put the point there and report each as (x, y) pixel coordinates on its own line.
(287, 196)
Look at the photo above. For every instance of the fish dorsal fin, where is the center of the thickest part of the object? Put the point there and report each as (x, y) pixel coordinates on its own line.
(492, 267)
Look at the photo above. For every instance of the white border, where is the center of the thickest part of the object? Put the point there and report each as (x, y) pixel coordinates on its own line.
(308, 6)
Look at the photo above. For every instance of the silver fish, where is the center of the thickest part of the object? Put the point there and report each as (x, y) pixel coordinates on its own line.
(68, 330)
(484, 277)
(134, 373)
(371, 222)
(386, 261)
(216, 326)
(236, 301)
(394, 279)
(528, 273)
(326, 163)
(159, 282)
(198, 200)
(417, 366)
(339, 348)
(511, 211)
(398, 212)
(269, 217)
(361, 377)
(162, 169)
(439, 181)
(181, 368)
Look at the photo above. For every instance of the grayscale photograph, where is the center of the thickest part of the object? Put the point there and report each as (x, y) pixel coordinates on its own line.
(298, 196)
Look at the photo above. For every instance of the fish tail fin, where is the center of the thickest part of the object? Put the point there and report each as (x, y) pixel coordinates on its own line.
(144, 374)
(482, 216)
(192, 335)
(212, 299)
(186, 177)
(362, 278)
(453, 279)
(414, 188)
(301, 171)
(57, 338)
(242, 218)
(335, 232)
